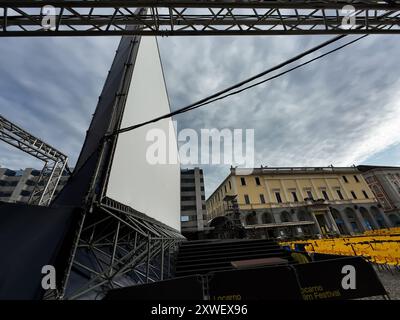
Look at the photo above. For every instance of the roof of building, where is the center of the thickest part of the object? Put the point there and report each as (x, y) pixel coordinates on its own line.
(285, 170)
(365, 168)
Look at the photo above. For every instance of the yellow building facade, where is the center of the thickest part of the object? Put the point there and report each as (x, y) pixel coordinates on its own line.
(291, 202)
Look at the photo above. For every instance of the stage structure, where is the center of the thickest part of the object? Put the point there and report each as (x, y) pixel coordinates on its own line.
(130, 222)
(198, 17)
(55, 162)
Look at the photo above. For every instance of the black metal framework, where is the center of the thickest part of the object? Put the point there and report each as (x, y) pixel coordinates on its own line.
(197, 17)
(117, 246)
(55, 161)
(114, 245)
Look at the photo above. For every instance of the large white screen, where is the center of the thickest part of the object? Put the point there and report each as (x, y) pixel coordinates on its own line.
(148, 188)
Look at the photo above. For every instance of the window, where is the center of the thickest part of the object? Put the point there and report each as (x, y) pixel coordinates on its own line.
(184, 208)
(230, 185)
(246, 199)
(9, 173)
(258, 181)
(294, 195)
(25, 193)
(356, 178)
(262, 199)
(188, 189)
(35, 173)
(243, 181)
(278, 197)
(184, 218)
(30, 182)
(353, 194)
(309, 194)
(225, 189)
(339, 194)
(188, 198)
(325, 195)
(365, 194)
(345, 179)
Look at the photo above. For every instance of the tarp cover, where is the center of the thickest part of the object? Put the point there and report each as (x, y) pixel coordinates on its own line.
(31, 237)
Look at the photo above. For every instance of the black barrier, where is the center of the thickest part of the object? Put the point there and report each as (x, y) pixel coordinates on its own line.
(323, 256)
(334, 279)
(340, 279)
(268, 283)
(30, 238)
(185, 288)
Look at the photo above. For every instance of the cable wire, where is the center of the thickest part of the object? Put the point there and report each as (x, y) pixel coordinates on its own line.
(217, 96)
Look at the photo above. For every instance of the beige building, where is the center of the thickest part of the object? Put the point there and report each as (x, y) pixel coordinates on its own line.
(290, 202)
(384, 181)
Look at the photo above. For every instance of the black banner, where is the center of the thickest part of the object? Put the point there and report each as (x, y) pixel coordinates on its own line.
(268, 283)
(30, 238)
(340, 279)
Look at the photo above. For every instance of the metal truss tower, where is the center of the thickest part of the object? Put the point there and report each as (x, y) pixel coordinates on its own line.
(197, 17)
(55, 162)
(114, 245)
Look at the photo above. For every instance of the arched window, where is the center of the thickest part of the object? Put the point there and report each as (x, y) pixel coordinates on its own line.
(285, 216)
(304, 216)
(251, 218)
(267, 217)
(394, 219)
(378, 217)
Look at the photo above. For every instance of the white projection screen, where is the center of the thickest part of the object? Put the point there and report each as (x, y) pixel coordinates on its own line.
(153, 189)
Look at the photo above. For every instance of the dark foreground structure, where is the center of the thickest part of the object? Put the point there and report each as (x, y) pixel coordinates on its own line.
(99, 245)
(232, 270)
(94, 242)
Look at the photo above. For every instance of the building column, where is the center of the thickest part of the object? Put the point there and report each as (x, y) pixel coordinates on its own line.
(284, 191)
(259, 217)
(298, 229)
(345, 193)
(346, 222)
(300, 191)
(333, 222)
(360, 219)
(373, 220)
(329, 189)
(387, 220)
(316, 222)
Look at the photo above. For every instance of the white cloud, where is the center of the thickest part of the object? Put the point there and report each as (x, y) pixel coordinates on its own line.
(339, 110)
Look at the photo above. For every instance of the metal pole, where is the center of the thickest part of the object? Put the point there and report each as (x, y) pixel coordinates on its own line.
(169, 261)
(114, 249)
(134, 246)
(72, 257)
(148, 258)
(162, 260)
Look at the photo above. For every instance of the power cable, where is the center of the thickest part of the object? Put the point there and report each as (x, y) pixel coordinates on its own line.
(217, 96)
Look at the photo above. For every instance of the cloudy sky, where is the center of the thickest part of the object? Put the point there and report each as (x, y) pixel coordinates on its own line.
(341, 110)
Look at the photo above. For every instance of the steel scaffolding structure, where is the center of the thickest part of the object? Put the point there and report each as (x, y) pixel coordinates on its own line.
(197, 17)
(55, 161)
(117, 246)
(113, 244)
